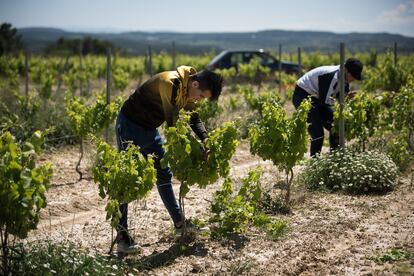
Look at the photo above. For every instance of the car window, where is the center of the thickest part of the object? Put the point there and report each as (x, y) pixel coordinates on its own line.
(236, 58)
(267, 60)
(221, 56)
(247, 57)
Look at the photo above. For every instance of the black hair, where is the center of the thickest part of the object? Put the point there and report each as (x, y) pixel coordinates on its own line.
(209, 80)
(354, 67)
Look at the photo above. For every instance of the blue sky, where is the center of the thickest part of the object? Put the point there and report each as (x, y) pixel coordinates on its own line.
(394, 16)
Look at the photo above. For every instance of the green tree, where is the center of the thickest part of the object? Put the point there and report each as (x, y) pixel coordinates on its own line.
(10, 41)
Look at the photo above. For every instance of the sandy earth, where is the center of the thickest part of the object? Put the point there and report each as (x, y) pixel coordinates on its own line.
(328, 234)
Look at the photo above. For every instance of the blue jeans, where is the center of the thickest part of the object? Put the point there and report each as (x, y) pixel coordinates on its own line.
(150, 142)
(319, 117)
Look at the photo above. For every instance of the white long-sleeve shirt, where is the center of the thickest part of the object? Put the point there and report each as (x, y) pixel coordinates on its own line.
(310, 82)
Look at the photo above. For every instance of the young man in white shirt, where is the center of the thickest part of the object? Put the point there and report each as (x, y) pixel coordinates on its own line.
(322, 85)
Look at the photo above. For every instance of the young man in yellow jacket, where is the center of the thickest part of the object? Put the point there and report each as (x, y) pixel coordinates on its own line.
(156, 101)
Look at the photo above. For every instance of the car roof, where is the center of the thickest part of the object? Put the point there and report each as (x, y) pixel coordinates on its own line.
(243, 51)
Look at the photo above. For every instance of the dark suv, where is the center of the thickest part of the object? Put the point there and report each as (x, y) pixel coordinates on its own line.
(227, 59)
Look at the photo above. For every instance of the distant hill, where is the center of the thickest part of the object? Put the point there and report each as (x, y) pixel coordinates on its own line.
(195, 43)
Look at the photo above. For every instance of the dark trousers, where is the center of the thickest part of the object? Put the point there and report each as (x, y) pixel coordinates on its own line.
(320, 116)
(150, 142)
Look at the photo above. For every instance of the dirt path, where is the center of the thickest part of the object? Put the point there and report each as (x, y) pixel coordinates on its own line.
(329, 234)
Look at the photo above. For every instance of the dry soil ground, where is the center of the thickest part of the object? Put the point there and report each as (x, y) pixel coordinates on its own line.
(328, 234)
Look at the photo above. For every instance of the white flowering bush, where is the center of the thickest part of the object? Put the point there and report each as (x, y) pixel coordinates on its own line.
(66, 258)
(352, 172)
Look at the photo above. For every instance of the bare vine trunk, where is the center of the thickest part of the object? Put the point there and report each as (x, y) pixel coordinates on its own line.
(80, 160)
(5, 268)
(288, 183)
(184, 233)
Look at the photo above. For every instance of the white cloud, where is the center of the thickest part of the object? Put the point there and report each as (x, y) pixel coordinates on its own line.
(401, 14)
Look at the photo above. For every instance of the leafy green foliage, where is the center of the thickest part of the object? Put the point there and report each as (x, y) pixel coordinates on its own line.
(403, 111)
(253, 69)
(282, 140)
(387, 75)
(199, 62)
(19, 114)
(361, 115)
(43, 72)
(352, 172)
(287, 80)
(122, 176)
(227, 73)
(386, 118)
(91, 119)
(273, 205)
(120, 78)
(395, 146)
(257, 100)
(183, 153)
(275, 228)
(396, 149)
(232, 213)
(233, 103)
(278, 138)
(9, 69)
(393, 255)
(23, 183)
(208, 110)
(315, 59)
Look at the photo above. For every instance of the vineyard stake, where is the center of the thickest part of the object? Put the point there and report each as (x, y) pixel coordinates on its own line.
(280, 68)
(108, 85)
(63, 70)
(299, 62)
(341, 95)
(395, 54)
(26, 72)
(149, 61)
(173, 56)
(80, 68)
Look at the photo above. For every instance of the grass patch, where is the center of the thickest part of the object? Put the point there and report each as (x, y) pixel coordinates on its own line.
(393, 255)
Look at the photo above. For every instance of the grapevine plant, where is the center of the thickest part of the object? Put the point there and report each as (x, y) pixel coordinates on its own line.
(90, 119)
(387, 118)
(403, 112)
(184, 155)
(280, 139)
(208, 110)
(122, 176)
(23, 186)
(256, 100)
(253, 71)
(361, 115)
(233, 212)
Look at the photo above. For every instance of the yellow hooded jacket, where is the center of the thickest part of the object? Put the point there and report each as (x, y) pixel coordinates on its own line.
(159, 100)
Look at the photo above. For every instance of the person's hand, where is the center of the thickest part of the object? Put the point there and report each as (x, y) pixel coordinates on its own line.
(351, 94)
(204, 151)
(204, 154)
